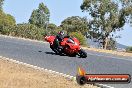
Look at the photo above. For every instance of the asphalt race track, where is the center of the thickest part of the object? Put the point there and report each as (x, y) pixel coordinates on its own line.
(40, 54)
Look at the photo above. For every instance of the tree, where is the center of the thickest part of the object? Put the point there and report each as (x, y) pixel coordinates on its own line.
(1, 3)
(40, 16)
(108, 16)
(52, 29)
(75, 24)
(79, 36)
(51, 26)
(6, 22)
(6, 19)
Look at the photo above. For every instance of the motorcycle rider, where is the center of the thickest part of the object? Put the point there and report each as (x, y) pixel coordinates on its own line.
(59, 38)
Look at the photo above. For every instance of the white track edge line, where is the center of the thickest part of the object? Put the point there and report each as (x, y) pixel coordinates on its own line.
(51, 71)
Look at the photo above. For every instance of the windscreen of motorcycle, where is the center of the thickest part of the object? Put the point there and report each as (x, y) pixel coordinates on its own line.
(70, 41)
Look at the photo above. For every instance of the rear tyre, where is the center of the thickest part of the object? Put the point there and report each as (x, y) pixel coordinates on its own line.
(82, 53)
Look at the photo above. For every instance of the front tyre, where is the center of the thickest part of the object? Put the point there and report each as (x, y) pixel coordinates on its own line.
(82, 53)
(55, 50)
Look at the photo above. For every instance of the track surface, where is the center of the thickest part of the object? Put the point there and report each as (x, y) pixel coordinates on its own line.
(40, 54)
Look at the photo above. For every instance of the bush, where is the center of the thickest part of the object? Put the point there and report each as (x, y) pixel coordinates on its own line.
(5, 31)
(129, 49)
(28, 31)
(79, 36)
(54, 31)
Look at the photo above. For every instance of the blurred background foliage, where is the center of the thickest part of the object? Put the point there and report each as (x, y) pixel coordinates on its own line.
(106, 18)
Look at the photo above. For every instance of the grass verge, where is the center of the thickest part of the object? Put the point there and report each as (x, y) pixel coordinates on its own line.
(109, 51)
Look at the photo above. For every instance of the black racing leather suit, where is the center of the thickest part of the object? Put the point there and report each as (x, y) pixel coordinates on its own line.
(59, 38)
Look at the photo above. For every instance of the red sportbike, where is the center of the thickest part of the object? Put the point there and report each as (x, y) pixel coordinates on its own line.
(70, 46)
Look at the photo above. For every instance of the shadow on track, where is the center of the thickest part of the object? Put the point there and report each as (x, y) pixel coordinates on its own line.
(52, 53)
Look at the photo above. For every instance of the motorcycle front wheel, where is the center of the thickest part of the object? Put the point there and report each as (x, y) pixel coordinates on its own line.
(55, 50)
(82, 53)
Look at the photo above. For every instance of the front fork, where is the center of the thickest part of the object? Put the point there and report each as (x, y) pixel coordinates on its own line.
(78, 53)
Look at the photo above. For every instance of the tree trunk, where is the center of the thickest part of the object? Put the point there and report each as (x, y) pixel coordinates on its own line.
(103, 43)
(106, 43)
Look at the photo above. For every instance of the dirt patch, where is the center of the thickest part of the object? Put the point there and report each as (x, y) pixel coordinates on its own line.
(19, 76)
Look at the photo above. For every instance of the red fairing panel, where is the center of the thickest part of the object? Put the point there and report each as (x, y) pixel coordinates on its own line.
(50, 39)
